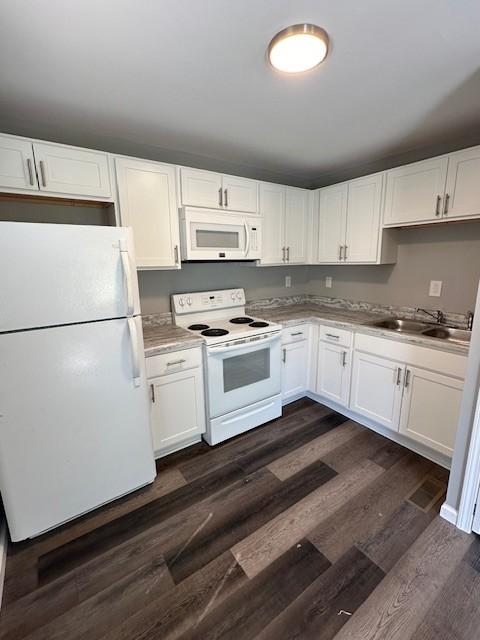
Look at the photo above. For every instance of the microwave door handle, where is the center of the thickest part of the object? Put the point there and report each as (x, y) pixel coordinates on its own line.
(254, 343)
(247, 238)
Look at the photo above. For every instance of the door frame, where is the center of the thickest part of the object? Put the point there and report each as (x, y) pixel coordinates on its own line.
(471, 482)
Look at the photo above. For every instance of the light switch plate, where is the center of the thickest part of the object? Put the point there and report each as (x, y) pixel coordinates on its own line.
(288, 281)
(328, 282)
(435, 290)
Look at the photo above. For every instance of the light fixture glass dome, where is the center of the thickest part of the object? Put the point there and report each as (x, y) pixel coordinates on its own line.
(298, 48)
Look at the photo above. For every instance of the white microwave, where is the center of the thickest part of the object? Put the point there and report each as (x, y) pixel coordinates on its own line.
(207, 234)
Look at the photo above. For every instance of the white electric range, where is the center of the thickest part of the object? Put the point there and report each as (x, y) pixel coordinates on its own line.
(242, 363)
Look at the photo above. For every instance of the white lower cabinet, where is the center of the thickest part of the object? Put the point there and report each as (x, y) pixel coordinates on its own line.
(333, 372)
(294, 369)
(177, 405)
(430, 408)
(377, 387)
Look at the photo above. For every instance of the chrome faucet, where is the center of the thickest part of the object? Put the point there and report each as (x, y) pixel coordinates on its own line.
(437, 314)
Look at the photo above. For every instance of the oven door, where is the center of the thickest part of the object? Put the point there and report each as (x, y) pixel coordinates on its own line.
(242, 374)
(209, 235)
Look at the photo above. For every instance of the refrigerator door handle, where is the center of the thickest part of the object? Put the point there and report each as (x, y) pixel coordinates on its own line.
(127, 271)
(132, 329)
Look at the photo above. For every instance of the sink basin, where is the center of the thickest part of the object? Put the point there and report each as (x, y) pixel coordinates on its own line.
(401, 325)
(448, 333)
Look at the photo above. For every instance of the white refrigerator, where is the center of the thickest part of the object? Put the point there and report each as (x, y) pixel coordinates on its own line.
(74, 425)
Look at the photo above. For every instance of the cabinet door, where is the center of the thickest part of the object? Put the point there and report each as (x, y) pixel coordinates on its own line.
(296, 215)
(201, 188)
(462, 197)
(333, 374)
(294, 369)
(414, 193)
(377, 386)
(177, 409)
(430, 408)
(17, 165)
(331, 223)
(72, 171)
(146, 192)
(240, 194)
(272, 210)
(363, 219)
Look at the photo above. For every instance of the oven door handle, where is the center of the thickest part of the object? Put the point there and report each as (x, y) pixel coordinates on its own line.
(213, 351)
(247, 238)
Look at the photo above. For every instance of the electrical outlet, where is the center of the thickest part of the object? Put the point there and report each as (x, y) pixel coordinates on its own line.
(435, 290)
(328, 282)
(288, 281)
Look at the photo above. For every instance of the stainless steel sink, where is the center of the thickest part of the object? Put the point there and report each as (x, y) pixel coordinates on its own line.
(448, 333)
(401, 325)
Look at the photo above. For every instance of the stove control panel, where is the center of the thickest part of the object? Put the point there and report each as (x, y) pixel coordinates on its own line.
(207, 300)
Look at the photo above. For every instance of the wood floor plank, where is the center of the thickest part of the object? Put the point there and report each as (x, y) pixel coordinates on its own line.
(95, 616)
(387, 545)
(180, 608)
(389, 454)
(240, 517)
(247, 443)
(317, 613)
(265, 545)
(299, 458)
(367, 513)
(261, 599)
(396, 608)
(364, 445)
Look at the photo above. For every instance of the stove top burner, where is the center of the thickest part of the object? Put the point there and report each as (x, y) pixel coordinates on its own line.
(241, 320)
(213, 333)
(258, 323)
(198, 327)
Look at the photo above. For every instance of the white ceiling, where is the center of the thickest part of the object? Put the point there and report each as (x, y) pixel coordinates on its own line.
(187, 80)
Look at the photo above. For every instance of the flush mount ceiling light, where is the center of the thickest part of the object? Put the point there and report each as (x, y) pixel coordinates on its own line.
(298, 48)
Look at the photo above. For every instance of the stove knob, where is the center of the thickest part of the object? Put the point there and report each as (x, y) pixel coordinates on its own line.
(181, 302)
(189, 301)
(234, 295)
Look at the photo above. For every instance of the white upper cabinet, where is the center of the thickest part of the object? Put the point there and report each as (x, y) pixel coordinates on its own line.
(147, 200)
(216, 191)
(272, 208)
(284, 213)
(72, 171)
(349, 225)
(363, 219)
(17, 164)
(414, 193)
(462, 193)
(296, 219)
(331, 223)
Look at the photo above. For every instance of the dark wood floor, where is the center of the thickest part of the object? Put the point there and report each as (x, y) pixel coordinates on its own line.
(308, 527)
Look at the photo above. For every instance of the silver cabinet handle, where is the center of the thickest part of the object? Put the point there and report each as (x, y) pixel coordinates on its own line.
(344, 358)
(152, 392)
(43, 173)
(332, 336)
(30, 171)
(220, 197)
(284, 355)
(407, 378)
(445, 207)
(437, 206)
(399, 376)
(283, 254)
(298, 333)
(288, 254)
(340, 252)
(226, 197)
(175, 251)
(345, 247)
(175, 362)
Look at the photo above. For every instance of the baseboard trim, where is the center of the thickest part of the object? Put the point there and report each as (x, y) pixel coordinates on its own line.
(3, 557)
(448, 513)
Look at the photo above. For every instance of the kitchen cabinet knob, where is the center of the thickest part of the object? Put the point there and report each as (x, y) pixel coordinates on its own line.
(30, 171)
(284, 355)
(447, 200)
(283, 254)
(226, 197)
(288, 254)
(345, 252)
(43, 173)
(220, 197)
(407, 378)
(437, 206)
(399, 376)
(152, 392)
(176, 253)
(340, 252)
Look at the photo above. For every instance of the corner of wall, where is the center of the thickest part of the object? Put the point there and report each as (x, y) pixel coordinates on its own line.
(3, 556)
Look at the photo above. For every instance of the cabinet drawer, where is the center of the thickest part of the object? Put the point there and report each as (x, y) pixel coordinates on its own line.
(295, 334)
(173, 362)
(334, 335)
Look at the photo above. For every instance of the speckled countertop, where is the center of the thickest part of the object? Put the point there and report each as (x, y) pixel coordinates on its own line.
(289, 315)
(167, 337)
